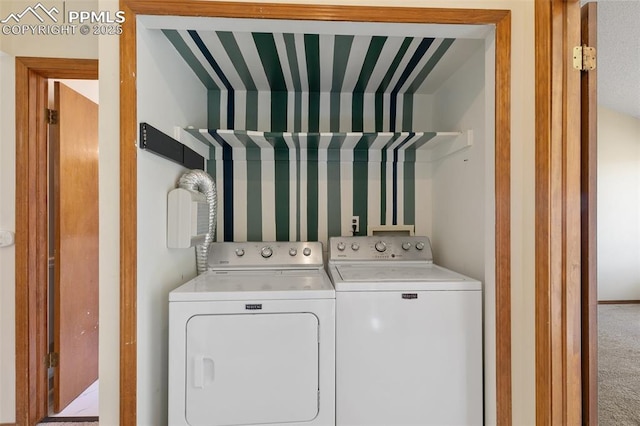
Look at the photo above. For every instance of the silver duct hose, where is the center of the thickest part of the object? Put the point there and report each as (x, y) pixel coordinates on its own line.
(201, 181)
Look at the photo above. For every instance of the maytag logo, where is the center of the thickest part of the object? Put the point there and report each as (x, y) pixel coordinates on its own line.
(253, 306)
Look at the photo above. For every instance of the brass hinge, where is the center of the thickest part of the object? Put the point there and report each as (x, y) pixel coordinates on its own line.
(52, 116)
(584, 58)
(52, 359)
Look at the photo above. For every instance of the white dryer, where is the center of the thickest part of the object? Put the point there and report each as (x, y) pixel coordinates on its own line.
(252, 341)
(408, 335)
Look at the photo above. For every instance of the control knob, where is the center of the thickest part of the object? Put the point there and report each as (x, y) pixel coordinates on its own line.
(341, 246)
(266, 252)
(406, 246)
(419, 245)
(239, 252)
(381, 246)
(355, 246)
(293, 251)
(306, 251)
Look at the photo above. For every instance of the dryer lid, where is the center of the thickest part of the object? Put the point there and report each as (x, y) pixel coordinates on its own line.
(256, 284)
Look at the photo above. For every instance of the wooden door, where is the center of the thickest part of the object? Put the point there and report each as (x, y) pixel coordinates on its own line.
(74, 150)
(589, 286)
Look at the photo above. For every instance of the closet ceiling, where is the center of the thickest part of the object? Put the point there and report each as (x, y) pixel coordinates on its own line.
(320, 56)
(288, 62)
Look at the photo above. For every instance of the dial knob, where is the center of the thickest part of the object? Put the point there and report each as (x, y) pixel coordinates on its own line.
(306, 251)
(406, 246)
(293, 251)
(239, 252)
(381, 246)
(266, 252)
(355, 246)
(420, 245)
(341, 246)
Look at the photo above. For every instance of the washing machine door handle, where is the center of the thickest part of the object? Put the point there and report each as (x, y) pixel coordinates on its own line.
(199, 370)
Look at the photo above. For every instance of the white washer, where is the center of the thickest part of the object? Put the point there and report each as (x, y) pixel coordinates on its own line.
(252, 341)
(408, 335)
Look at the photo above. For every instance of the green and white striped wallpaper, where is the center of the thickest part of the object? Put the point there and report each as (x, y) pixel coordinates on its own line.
(307, 186)
(308, 130)
(276, 82)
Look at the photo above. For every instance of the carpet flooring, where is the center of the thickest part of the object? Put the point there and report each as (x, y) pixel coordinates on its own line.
(69, 421)
(619, 365)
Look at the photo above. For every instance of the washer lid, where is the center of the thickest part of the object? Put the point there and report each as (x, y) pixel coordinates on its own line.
(256, 284)
(398, 277)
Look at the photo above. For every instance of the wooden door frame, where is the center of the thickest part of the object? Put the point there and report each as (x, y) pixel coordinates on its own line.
(589, 186)
(32, 256)
(128, 166)
(558, 215)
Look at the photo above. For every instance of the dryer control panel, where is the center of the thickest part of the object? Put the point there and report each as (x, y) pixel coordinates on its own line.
(379, 247)
(269, 254)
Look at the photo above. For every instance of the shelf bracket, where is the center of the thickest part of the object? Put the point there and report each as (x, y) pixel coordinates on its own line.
(155, 141)
(446, 144)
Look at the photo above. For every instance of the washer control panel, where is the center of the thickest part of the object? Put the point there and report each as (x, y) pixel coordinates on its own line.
(380, 247)
(259, 254)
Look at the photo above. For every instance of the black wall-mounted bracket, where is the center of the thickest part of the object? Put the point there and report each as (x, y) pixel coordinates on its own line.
(153, 140)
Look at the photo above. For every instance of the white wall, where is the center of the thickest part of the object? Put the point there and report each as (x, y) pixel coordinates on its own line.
(169, 94)
(90, 89)
(7, 254)
(109, 199)
(459, 180)
(618, 207)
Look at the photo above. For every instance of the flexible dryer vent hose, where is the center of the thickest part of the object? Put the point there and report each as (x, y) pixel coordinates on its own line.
(201, 181)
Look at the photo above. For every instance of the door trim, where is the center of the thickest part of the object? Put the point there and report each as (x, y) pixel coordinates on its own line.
(557, 222)
(128, 166)
(589, 187)
(31, 226)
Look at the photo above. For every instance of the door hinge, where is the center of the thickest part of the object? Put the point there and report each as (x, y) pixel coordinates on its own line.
(52, 116)
(52, 359)
(584, 58)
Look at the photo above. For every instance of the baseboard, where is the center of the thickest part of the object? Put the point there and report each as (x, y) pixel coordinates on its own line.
(618, 302)
(88, 419)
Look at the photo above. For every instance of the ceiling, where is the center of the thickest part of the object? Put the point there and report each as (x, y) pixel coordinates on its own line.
(320, 56)
(324, 63)
(618, 60)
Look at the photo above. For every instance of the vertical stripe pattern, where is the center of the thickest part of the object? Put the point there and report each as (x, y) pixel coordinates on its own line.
(307, 130)
(307, 186)
(279, 82)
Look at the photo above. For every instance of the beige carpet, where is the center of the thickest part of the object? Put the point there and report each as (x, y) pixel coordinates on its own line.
(70, 423)
(619, 365)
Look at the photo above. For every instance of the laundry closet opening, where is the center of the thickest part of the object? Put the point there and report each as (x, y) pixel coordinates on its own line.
(305, 124)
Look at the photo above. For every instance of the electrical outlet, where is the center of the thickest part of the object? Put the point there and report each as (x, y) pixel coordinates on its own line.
(355, 221)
